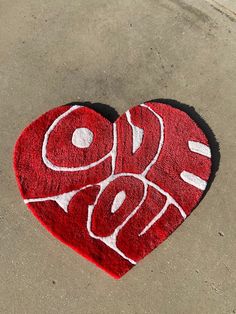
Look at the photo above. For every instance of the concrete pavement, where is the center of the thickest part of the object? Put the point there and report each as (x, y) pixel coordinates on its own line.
(119, 53)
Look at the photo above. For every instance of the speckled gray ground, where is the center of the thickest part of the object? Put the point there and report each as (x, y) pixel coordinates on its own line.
(119, 53)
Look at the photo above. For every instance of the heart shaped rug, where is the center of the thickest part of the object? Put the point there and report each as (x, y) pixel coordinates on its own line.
(112, 191)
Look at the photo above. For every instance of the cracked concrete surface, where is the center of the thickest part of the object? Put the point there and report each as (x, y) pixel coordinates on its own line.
(119, 53)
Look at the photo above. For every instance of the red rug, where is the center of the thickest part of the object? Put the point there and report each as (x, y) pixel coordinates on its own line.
(112, 192)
